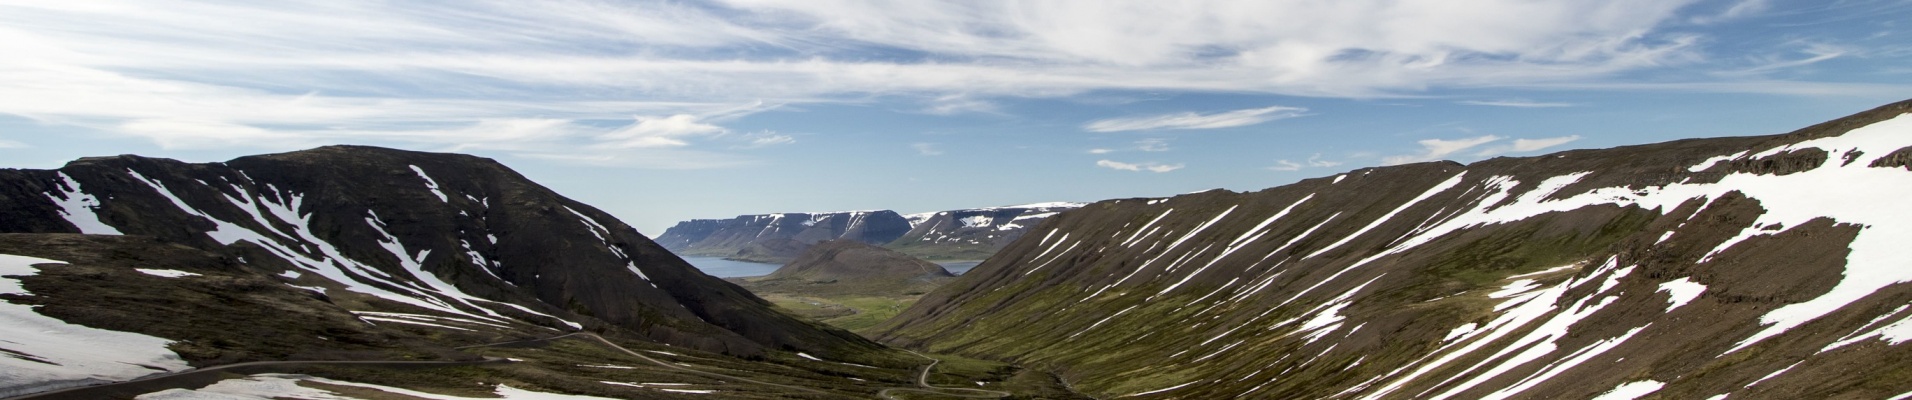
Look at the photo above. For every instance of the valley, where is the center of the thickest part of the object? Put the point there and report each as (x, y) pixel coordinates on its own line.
(955, 200)
(1735, 267)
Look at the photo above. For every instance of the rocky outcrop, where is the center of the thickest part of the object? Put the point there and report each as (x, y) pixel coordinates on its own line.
(849, 261)
(381, 230)
(1755, 267)
(780, 237)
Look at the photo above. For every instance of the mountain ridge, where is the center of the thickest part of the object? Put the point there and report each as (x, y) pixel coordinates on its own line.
(965, 234)
(1685, 269)
(445, 233)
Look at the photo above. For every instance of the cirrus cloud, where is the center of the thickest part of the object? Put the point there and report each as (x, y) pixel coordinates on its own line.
(1149, 166)
(1438, 149)
(1191, 120)
(554, 74)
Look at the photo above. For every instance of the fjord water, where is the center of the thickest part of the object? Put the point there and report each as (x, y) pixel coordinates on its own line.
(722, 268)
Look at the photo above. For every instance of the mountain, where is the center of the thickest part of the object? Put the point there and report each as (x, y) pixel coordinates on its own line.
(849, 261)
(970, 234)
(1750, 267)
(780, 237)
(356, 235)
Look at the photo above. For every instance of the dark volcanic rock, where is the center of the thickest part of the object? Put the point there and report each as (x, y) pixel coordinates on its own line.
(1760, 267)
(423, 233)
(852, 261)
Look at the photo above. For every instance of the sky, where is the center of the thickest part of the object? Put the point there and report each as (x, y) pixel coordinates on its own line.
(662, 111)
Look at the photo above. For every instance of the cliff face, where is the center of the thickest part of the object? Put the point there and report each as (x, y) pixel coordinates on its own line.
(780, 237)
(1760, 267)
(382, 230)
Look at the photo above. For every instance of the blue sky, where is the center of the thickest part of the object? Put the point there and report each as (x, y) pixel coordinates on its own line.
(664, 111)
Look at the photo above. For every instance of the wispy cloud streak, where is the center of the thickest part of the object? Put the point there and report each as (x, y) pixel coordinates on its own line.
(1191, 120)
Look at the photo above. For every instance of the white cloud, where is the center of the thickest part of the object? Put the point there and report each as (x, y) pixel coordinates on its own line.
(657, 158)
(11, 144)
(927, 149)
(1808, 53)
(1516, 103)
(1741, 9)
(959, 104)
(1146, 145)
(1191, 120)
(1152, 145)
(766, 138)
(1527, 145)
(253, 73)
(1313, 161)
(1285, 165)
(659, 132)
(1436, 149)
(1150, 166)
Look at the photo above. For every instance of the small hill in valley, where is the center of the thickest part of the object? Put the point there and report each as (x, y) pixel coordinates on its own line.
(851, 261)
(848, 283)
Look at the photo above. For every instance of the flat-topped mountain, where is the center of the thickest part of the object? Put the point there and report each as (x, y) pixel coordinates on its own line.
(1740, 267)
(968, 234)
(780, 237)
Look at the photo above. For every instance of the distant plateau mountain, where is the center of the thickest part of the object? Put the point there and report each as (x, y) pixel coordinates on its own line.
(967, 234)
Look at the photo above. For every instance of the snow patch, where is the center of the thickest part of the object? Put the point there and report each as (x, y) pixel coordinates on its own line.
(1682, 291)
(1460, 331)
(1708, 163)
(165, 273)
(58, 354)
(1631, 390)
(1162, 389)
(79, 208)
(430, 184)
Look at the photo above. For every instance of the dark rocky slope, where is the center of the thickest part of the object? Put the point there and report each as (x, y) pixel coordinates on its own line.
(418, 233)
(1755, 267)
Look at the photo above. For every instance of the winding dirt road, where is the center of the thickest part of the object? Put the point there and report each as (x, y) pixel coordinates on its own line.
(922, 381)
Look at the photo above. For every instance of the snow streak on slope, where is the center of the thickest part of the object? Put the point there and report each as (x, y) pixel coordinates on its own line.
(412, 285)
(49, 353)
(1878, 256)
(78, 206)
(1533, 334)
